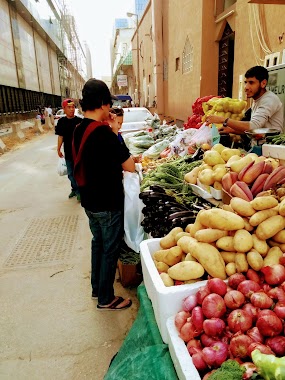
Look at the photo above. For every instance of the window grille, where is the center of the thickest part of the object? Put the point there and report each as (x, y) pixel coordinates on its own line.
(187, 57)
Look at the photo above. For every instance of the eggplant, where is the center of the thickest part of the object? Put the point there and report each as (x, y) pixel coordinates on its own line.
(181, 214)
(157, 188)
(155, 194)
(187, 220)
(197, 206)
(144, 194)
(169, 204)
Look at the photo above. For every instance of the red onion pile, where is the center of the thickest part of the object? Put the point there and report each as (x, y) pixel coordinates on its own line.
(223, 321)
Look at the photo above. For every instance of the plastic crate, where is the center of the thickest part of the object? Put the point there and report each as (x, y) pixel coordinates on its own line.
(166, 301)
(180, 356)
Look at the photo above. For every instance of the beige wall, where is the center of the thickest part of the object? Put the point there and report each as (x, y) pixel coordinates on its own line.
(36, 72)
(8, 72)
(43, 64)
(146, 62)
(195, 19)
(55, 72)
(28, 56)
(184, 21)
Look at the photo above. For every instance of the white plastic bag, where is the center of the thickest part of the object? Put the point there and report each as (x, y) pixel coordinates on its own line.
(134, 233)
(202, 135)
(61, 166)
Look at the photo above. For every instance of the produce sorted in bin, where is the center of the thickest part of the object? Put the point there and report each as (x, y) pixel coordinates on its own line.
(227, 242)
(227, 107)
(235, 324)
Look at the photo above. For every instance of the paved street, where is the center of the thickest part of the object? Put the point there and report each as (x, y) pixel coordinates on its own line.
(49, 325)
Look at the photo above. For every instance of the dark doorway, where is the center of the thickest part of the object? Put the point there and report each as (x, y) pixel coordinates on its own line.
(226, 62)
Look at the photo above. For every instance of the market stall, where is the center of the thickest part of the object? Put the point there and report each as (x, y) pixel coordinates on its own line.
(213, 266)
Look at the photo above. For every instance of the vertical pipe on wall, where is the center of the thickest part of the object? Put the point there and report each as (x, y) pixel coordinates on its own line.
(157, 48)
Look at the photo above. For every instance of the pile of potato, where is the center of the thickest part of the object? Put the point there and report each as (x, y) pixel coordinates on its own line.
(224, 241)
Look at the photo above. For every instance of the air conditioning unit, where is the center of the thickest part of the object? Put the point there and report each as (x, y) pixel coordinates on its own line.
(273, 59)
(283, 56)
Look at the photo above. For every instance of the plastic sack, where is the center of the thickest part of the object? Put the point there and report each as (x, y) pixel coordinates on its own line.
(202, 136)
(215, 135)
(154, 151)
(181, 142)
(61, 166)
(134, 232)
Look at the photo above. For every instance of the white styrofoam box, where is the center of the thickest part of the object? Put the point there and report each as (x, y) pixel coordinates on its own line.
(217, 194)
(166, 301)
(180, 356)
(201, 192)
(274, 151)
(204, 187)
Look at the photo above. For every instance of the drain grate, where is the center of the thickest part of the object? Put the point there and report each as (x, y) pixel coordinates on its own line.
(45, 241)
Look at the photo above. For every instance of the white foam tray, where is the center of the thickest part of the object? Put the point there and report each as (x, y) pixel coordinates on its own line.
(166, 301)
(274, 151)
(180, 356)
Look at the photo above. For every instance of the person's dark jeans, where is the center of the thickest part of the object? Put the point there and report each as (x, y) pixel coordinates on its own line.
(107, 229)
(70, 167)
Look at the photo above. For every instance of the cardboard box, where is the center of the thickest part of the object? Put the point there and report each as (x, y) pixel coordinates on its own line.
(129, 274)
(166, 301)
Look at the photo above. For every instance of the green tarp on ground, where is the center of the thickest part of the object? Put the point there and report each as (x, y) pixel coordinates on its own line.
(143, 355)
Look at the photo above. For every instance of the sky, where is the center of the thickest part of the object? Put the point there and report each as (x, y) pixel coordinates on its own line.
(95, 23)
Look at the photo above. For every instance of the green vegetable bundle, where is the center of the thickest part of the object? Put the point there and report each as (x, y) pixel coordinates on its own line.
(276, 140)
(269, 366)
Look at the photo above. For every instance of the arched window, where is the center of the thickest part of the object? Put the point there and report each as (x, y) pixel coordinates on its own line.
(187, 57)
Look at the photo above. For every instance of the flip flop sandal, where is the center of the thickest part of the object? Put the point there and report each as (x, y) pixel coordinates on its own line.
(114, 305)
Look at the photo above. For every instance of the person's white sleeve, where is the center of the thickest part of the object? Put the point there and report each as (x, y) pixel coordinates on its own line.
(261, 116)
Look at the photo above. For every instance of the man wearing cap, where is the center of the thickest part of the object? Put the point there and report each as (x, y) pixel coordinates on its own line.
(64, 129)
(99, 162)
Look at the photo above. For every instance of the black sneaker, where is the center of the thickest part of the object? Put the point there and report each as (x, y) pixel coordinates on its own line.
(94, 296)
(72, 194)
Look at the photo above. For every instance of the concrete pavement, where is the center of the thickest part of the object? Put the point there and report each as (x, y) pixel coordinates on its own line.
(49, 325)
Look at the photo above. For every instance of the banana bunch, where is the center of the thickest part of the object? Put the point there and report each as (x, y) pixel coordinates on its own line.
(226, 107)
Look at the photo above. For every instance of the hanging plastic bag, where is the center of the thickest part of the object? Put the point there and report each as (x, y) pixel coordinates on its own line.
(202, 136)
(215, 135)
(61, 166)
(134, 233)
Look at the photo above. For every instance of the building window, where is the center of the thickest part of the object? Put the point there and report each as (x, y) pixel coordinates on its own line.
(149, 78)
(187, 57)
(177, 64)
(223, 5)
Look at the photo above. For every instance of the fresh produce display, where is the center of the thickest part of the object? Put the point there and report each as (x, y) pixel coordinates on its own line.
(195, 121)
(170, 174)
(162, 212)
(244, 237)
(214, 167)
(253, 179)
(243, 176)
(241, 321)
(276, 140)
(226, 107)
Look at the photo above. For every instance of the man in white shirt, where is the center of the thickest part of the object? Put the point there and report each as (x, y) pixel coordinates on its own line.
(267, 109)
